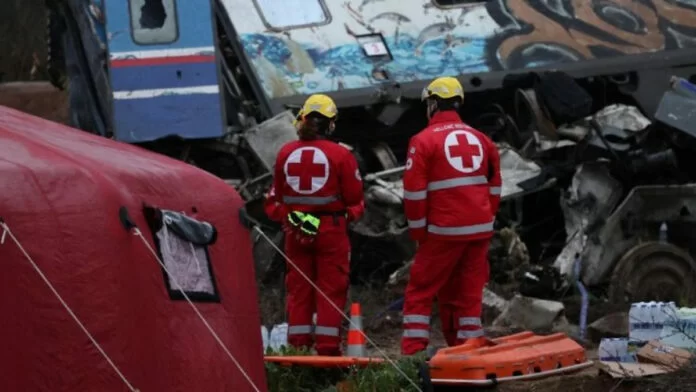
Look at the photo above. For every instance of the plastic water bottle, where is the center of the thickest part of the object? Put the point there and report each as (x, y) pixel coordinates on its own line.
(617, 350)
(663, 233)
(647, 319)
(264, 337)
(635, 321)
(279, 336)
(680, 331)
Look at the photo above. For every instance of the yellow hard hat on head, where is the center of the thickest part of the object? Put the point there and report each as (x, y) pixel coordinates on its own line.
(445, 87)
(319, 103)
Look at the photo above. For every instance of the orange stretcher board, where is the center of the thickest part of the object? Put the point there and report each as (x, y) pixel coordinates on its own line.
(523, 356)
(323, 361)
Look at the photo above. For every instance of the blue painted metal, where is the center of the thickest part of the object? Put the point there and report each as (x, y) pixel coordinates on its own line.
(164, 76)
(188, 116)
(583, 295)
(156, 74)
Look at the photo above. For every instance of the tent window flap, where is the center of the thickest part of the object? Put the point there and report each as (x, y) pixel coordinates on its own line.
(182, 243)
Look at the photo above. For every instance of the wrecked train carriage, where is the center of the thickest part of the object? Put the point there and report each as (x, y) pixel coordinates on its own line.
(211, 83)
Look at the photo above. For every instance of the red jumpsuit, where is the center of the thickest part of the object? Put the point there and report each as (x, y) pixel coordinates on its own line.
(452, 189)
(322, 178)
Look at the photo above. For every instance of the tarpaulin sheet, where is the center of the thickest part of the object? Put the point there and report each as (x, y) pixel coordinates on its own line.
(60, 193)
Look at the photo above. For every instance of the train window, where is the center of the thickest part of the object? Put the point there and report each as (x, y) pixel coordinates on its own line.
(288, 14)
(154, 21)
(455, 3)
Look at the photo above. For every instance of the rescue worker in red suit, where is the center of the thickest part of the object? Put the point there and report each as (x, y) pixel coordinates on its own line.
(319, 180)
(452, 187)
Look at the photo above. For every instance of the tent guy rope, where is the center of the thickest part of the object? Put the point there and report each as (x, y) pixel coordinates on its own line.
(139, 234)
(340, 311)
(7, 232)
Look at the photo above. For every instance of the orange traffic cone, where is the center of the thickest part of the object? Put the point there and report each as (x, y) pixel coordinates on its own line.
(356, 337)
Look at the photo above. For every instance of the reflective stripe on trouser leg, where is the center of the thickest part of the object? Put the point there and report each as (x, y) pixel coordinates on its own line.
(417, 333)
(326, 331)
(469, 327)
(299, 330)
(417, 326)
(299, 295)
(332, 272)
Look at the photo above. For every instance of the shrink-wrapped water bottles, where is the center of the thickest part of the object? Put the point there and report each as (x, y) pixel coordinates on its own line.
(646, 319)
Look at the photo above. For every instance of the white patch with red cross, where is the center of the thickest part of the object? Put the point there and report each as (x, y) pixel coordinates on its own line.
(464, 151)
(306, 170)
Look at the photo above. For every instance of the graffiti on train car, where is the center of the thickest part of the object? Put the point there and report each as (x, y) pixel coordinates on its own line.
(425, 41)
(570, 30)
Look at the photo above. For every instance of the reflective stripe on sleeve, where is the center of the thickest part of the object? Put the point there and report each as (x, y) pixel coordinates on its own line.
(299, 329)
(461, 230)
(326, 331)
(417, 224)
(310, 200)
(495, 190)
(415, 195)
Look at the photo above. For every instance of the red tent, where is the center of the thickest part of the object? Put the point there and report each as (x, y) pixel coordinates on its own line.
(69, 198)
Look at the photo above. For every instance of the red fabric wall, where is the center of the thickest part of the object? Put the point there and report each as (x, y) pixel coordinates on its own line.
(60, 192)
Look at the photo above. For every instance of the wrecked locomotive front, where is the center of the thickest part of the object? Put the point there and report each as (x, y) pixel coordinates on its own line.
(216, 84)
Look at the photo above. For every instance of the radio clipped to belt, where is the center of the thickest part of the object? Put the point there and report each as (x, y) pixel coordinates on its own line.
(303, 227)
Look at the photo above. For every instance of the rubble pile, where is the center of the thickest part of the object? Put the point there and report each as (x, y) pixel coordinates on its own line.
(609, 189)
(620, 177)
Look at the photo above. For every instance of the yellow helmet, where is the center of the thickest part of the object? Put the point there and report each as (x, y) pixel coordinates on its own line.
(319, 103)
(444, 87)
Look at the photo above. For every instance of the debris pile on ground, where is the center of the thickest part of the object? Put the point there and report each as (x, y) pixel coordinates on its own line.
(602, 186)
(661, 339)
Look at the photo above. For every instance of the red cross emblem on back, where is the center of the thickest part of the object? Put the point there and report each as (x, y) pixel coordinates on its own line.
(306, 169)
(464, 151)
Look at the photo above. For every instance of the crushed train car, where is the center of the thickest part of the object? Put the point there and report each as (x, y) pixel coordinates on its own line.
(218, 87)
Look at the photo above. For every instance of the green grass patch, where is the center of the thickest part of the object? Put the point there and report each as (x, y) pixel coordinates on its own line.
(373, 378)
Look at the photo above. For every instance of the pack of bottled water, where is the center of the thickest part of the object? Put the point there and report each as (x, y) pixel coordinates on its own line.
(680, 331)
(618, 350)
(278, 336)
(264, 337)
(646, 319)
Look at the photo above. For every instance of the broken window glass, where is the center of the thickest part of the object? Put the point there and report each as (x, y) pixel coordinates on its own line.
(154, 21)
(455, 3)
(285, 14)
